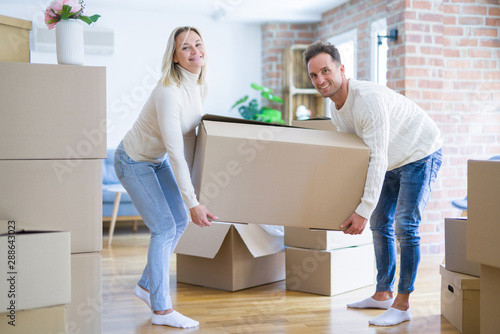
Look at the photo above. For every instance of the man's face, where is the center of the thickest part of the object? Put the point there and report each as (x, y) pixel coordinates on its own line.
(326, 75)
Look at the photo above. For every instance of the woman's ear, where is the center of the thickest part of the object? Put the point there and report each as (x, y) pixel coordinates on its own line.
(174, 58)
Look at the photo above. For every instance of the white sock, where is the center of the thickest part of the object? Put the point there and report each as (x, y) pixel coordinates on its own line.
(142, 295)
(391, 317)
(372, 303)
(174, 319)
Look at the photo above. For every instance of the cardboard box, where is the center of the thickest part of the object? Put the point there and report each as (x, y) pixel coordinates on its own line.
(229, 257)
(36, 266)
(14, 39)
(460, 300)
(455, 245)
(52, 111)
(490, 295)
(329, 272)
(318, 124)
(56, 194)
(324, 240)
(47, 320)
(483, 224)
(85, 309)
(278, 175)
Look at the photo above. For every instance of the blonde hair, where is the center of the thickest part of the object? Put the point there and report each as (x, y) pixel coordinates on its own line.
(170, 72)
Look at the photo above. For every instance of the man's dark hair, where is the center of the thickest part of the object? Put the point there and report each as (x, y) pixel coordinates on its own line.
(319, 47)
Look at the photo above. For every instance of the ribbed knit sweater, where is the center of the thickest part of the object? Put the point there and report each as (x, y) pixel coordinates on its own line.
(396, 130)
(167, 125)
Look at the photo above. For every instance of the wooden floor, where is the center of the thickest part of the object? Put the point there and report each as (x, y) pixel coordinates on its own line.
(265, 309)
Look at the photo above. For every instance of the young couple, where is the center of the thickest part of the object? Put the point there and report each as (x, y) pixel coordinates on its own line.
(153, 163)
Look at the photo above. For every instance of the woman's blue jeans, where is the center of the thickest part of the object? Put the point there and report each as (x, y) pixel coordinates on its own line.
(405, 193)
(156, 195)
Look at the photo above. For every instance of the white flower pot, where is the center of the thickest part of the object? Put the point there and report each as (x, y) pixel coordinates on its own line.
(69, 42)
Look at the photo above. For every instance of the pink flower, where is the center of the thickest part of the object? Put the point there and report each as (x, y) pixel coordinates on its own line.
(74, 4)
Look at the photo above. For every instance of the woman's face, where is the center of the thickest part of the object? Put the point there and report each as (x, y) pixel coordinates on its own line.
(189, 51)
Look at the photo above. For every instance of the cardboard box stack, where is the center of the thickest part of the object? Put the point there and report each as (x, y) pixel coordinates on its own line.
(328, 262)
(483, 236)
(52, 140)
(259, 173)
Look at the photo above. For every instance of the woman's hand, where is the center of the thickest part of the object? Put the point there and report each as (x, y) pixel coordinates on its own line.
(201, 216)
(355, 224)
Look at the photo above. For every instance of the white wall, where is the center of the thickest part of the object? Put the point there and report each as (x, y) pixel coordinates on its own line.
(234, 57)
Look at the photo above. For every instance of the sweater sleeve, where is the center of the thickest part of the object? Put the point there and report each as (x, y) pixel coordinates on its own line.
(373, 126)
(169, 108)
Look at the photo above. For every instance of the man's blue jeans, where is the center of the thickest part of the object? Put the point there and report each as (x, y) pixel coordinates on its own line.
(156, 195)
(404, 195)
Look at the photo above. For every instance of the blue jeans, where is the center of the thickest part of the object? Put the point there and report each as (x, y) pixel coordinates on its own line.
(405, 193)
(156, 195)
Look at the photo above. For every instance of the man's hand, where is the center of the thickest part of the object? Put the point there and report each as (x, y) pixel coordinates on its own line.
(200, 215)
(355, 224)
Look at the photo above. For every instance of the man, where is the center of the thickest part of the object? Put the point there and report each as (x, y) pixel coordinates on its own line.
(405, 157)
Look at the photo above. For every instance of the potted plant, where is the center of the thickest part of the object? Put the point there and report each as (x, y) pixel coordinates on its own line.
(252, 111)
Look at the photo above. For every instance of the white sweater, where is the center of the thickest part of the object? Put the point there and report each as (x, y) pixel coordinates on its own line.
(396, 130)
(167, 124)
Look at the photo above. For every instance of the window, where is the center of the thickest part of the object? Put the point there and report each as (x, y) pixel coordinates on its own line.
(379, 52)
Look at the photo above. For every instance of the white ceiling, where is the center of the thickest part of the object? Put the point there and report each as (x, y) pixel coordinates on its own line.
(251, 11)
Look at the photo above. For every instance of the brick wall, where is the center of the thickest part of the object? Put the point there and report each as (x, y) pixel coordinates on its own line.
(446, 59)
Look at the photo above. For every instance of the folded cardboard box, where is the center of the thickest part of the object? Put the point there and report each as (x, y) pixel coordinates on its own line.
(329, 272)
(324, 240)
(52, 111)
(483, 222)
(229, 256)
(490, 295)
(85, 309)
(56, 194)
(455, 246)
(460, 300)
(47, 320)
(36, 264)
(278, 175)
(14, 39)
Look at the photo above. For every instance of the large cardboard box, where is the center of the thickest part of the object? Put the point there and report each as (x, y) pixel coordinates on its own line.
(52, 111)
(324, 240)
(455, 246)
(483, 224)
(329, 272)
(47, 320)
(460, 300)
(56, 194)
(278, 175)
(490, 295)
(85, 309)
(14, 39)
(229, 256)
(36, 267)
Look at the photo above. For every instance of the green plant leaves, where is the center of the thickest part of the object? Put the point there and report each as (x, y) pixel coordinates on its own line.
(262, 88)
(243, 99)
(271, 97)
(89, 19)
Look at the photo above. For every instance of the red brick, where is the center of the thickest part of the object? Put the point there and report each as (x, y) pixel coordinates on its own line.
(480, 53)
(474, 10)
(428, 17)
(453, 31)
(430, 50)
(492, 21)
(450, 20)
(492, 43)
(491, 75)
(285, 34)
(469, 42)
(494, 11)
(482, 139)
(458, 63)
(451, 53)
(452, 96)
(432, 84)
(470, 21)
(451, 9)
(488, 32)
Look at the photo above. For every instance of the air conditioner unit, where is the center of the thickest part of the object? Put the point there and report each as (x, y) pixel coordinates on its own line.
(96, 40)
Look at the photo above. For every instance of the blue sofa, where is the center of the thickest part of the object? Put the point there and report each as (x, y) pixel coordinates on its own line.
(126, 210)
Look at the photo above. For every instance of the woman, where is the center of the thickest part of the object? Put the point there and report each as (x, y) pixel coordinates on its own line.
(153, 163)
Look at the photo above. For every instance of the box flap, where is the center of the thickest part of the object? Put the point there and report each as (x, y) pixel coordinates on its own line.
(259, 241)
(202, 241)
(6, 228)
(218, 118)
(15, 22)
(301, 136)
(464, 282)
